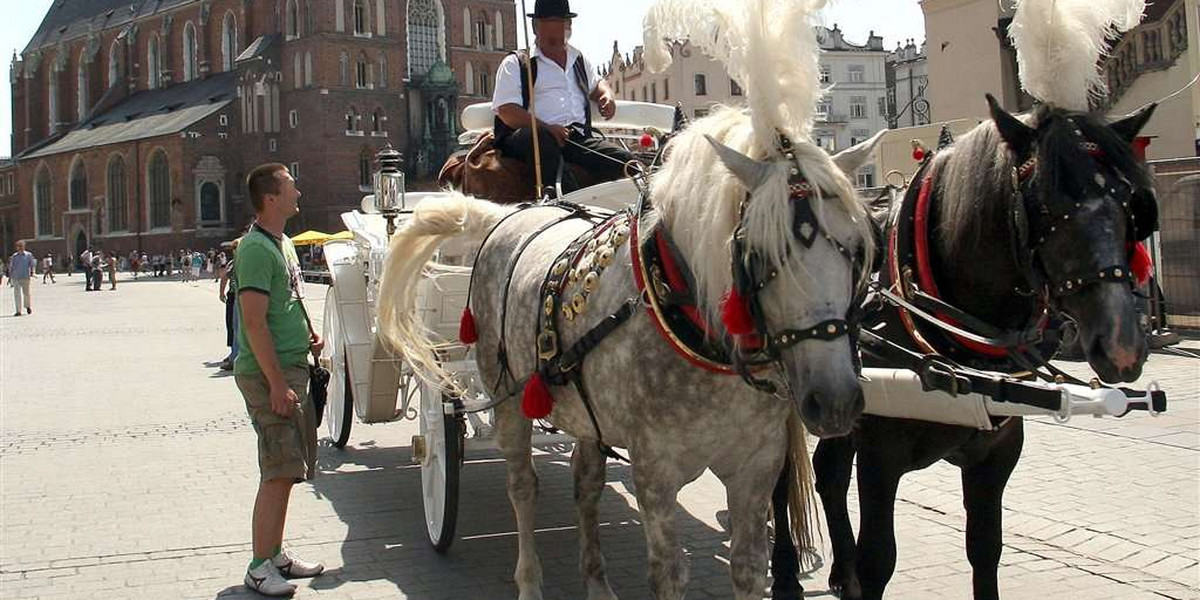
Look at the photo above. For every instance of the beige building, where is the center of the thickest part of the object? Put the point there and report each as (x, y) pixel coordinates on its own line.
(854, 110)
(969, 55)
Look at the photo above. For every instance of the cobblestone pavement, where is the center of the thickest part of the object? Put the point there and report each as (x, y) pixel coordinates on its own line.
(127, 471)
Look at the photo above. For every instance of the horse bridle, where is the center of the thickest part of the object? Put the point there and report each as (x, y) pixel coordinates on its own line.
(753, 272)
(1140, 213)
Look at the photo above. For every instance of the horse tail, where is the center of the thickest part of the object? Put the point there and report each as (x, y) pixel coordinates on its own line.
(805, 520)
(433, 221)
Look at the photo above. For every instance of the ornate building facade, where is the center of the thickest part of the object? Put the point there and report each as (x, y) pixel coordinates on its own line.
(135, 121)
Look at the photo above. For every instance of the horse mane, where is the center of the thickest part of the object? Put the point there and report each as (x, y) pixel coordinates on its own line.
(700, 199)
(975, 175)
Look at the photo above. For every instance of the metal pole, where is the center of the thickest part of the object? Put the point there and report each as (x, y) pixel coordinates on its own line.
(533, 124)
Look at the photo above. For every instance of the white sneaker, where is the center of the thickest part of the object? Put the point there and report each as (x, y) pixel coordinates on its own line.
(290, 565)
(266, 580)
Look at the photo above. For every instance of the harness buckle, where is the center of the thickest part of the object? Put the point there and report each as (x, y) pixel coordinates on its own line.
(547, 344)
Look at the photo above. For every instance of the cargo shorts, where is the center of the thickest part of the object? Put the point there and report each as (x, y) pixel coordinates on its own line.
(287, 447)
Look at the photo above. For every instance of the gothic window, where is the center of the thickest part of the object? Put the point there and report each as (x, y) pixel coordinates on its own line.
(362, 21)
(469, 79)
(426, 39)
(153, 64)
(364, 168)
(466, 26)
(229, 41)
(308, 69)
(210, 203)
(481, 33)
(81, 88)
(189, 52)
(483, 81)
(351, 120)
(117, 198)
(362, 69)
(308, 17)
(41, 197)
(377, 121)
(701, 85)
(52, 104)
(666, 89)
(297, 71)
(114, 63)
(344, 69)
(734, 88)
(158, 186)
(383, 71)
(498, 39)
(78, 189)
(292, 20)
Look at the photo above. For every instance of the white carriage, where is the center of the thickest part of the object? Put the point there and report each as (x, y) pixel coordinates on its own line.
(373, 385)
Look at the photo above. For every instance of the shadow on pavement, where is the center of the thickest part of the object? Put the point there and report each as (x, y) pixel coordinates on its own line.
(376, 492)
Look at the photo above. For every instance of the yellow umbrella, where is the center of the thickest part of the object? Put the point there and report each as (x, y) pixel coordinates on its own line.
(310, 237)
(341, 235)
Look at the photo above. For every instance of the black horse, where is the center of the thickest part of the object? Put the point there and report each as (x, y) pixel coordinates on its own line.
(1025, 216)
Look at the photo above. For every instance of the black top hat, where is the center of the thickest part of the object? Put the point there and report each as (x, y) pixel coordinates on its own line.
(553, 9)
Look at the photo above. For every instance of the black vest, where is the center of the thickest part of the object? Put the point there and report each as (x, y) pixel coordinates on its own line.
(502, 131)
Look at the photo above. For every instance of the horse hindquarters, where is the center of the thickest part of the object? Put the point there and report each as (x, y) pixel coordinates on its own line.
(833, 464)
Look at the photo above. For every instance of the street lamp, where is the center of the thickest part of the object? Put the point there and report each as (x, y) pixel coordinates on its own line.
(389, 186)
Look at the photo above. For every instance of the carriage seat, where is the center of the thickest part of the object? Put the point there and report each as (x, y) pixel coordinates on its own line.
(478, 118)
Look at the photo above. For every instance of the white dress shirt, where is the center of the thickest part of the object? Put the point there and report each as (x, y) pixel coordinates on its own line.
(557, 97)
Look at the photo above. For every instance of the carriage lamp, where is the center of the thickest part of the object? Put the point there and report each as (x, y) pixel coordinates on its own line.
(389, 185)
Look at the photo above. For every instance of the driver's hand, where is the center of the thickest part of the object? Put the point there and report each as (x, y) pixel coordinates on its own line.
(560, 134)
(608, 107)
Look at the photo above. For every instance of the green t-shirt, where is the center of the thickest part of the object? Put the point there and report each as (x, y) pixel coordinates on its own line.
(265, 265)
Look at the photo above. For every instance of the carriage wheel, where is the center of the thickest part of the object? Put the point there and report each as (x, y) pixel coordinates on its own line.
(339, 405)
(439, 448)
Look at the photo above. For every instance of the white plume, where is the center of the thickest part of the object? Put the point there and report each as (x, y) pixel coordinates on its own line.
(1059, 44)
(768, 46)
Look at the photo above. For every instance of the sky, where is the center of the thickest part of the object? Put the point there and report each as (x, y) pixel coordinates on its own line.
(600, 22)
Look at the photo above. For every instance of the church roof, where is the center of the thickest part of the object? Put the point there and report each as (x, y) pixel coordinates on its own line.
(68, 19)
(149, 114)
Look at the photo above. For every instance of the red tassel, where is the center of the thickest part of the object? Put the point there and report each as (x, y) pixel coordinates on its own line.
(735, 314)
(466, 328)
(537, 402)
(1139, 263)
(918, 154)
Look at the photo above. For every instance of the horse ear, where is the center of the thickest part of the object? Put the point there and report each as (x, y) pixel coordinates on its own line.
(752, 173)
(1017, 135)
(850, 159)
(1130, 126)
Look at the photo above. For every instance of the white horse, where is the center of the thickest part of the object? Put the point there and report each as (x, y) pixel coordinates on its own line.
(674, 418)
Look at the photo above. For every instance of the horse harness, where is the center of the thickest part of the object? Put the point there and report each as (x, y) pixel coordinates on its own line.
(907, 284)
(664, 283)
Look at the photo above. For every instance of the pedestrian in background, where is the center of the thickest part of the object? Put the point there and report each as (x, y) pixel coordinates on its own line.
(20, 270)
(228, 295)
(85, 263)
(112, 269)
(271, 371)
(47, 268)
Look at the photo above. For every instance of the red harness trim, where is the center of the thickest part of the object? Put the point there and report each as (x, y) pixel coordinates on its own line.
(676, 280)
(673, 276)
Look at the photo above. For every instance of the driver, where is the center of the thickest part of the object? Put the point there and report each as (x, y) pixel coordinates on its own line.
(564, 81)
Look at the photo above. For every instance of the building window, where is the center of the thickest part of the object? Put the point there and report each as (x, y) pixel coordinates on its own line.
(362, 21)
(308, 17)
(480, 33)
(858, 107)
(377, 122)
(426, 40)
(666, 89)
(654, 91)
(293, 118)
(158, 184)
(645, 94)
(81, 88)
(273, 145)
(351, 120)
(498, 39)
(308, 69)
(858, 135)
(825, 76)
(469, 79)
(483, 82)
(117, 198)
(52, 100)
(78, 189)
(297, 72)
(865, 177)
(189, 53)
(114, 63)
(153, 65)
(633, 95)
(364, 169)
(883, 110)
(292, 20)
(857, 74)
(361, 80)
(701, 113)
(701, 85)
(383, 74)
(824, 107)
(41, 197)
(229, 41)
(1153, 46)
(734, 88)
(344, 69)
(294, 169)
(210, 203)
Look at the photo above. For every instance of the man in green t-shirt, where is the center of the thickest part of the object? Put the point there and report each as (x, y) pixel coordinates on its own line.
(271, 371)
